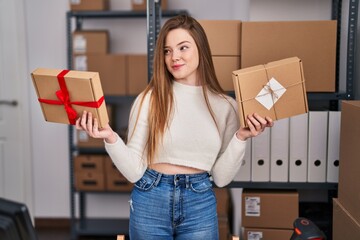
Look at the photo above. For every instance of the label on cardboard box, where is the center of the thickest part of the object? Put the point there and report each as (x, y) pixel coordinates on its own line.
(138, 1)
(252, 206)
(79, 44)
(83, 136)
(270, 93)
(80, 63)
(254, 235)
(75, 1)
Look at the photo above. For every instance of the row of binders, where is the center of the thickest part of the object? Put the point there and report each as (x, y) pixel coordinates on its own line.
(303, 148)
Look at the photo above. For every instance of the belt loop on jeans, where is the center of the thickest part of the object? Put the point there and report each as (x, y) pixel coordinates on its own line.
(187, 181)
(158, 178)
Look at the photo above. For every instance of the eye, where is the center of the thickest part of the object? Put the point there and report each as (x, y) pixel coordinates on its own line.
(166, 51)
(184, 47)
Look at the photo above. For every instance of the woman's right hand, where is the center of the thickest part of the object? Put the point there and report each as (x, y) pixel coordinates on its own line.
(90, 125)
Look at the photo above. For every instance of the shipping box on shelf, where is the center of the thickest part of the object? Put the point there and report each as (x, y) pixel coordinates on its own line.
(228, 43)
(89, 173)
(140, 5)
(89, 5)
(224, 65)
(89, 163)
(344, 224)
(111, 67)
(137, 73)
(349, 177)
(65, 94)
(267, 233)
(90, 41)
(276, 89)
(114, 180)
(314, 42)
(259, 210)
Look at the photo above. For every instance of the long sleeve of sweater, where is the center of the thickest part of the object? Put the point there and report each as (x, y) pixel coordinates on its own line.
(232, 150)
(130, 158)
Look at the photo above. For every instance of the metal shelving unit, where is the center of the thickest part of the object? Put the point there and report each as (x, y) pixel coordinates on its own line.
(84, 226)
(332, 97)
(100, 227)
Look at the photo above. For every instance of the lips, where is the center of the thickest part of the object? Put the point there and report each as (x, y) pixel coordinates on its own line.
(177, 66)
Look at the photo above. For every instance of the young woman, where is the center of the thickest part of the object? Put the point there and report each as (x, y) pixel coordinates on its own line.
(183, 134)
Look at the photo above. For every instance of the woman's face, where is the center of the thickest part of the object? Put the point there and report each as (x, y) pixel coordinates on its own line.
(181, 56)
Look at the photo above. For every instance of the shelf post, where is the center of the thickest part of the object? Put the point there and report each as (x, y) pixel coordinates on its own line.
(351, 48)
(153, 17)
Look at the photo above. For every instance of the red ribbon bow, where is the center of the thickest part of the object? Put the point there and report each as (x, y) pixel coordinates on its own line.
(64, 99)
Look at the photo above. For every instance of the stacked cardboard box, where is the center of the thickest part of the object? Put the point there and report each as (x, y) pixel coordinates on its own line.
(346, 212)
(89, 5)
(91, 53)
(246, 44)
(89, 173)
(314, 42)
(140, 5)
(225, 48)
(121, 74)
(98, 173)
(268, 214)
(114, 180)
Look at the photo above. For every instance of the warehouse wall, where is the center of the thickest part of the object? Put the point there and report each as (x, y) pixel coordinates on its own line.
(46, 32)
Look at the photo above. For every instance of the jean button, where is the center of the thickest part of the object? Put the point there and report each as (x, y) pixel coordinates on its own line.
(176, 179)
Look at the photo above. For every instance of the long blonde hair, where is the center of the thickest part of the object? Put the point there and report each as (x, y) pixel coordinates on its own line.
(160, 85)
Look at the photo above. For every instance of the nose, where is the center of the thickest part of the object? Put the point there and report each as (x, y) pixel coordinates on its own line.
(176, 56)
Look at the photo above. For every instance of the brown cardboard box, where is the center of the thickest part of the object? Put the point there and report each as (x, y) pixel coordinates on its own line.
(257, 89)
(89, 163)
(89, 5)
(137, 79)
(94, 41)
(111, 67)
(314, 42)
(349, 177)
(269, 209)
(228, 42)
(83, 88)
(89, 181)
(115, 181)
(224, 66)
(344, 225)
(140, 5)
(267, 234)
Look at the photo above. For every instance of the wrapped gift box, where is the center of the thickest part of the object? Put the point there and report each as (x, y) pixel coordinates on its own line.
(276, 89)
(64, 95)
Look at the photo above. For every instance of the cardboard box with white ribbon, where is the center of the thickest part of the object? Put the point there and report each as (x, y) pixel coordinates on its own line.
(276, 89)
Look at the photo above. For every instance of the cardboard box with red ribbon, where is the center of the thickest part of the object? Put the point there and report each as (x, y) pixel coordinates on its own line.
(65, 94)
(276, 89)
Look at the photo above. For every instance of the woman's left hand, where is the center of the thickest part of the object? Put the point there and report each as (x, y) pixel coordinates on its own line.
(256, 125)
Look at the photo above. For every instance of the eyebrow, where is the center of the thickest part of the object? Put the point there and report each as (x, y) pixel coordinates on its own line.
(179, 43)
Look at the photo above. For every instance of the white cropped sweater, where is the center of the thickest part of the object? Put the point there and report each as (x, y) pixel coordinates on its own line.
(192, 139)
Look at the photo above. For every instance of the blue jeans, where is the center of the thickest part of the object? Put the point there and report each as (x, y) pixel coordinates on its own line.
(181, 207)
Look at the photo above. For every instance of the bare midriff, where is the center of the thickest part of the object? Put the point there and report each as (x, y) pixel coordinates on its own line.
(171, 169)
